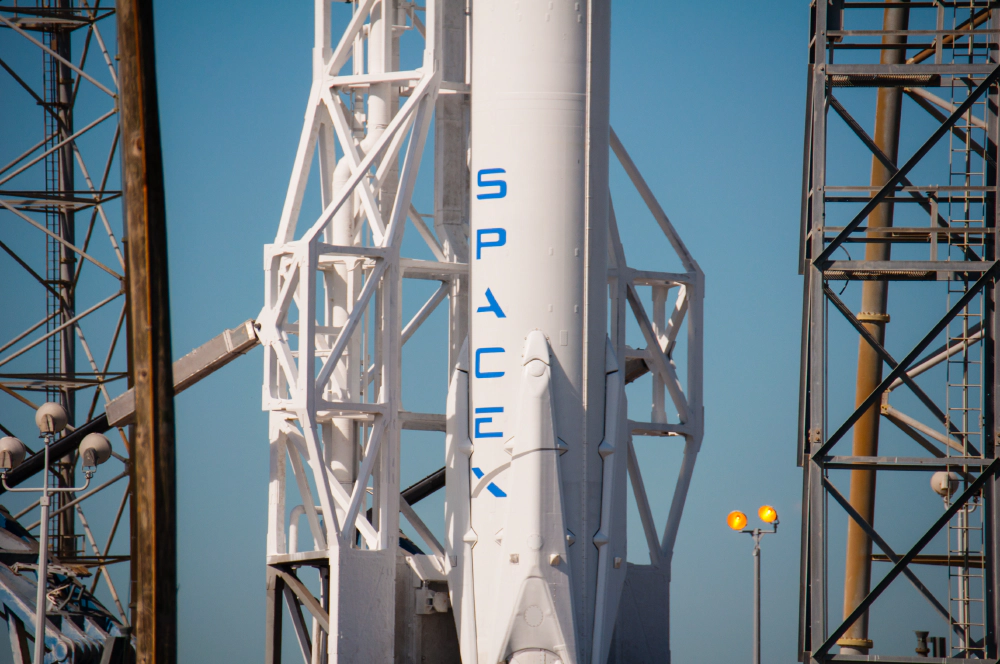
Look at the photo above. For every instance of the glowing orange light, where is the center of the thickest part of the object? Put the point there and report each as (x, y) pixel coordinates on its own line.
(767, 514)
(736, 520)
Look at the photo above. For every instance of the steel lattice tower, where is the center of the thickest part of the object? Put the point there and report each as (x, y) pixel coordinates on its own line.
(918, 196)
(62, 239)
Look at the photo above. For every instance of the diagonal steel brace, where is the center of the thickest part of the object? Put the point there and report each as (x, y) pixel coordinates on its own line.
(887, 550)
(889, 186)
(900, 368)
(891, 361)
(902, 563)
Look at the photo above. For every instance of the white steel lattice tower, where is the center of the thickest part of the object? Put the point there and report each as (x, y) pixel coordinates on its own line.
(538, 442)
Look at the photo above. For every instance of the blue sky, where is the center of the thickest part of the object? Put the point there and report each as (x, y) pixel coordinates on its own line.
(710, 105)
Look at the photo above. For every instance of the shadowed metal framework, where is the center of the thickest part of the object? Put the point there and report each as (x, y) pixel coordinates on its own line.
(61, 238)
(926, 222)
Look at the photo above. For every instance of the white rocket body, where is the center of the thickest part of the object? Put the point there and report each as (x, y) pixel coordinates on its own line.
(535, 542)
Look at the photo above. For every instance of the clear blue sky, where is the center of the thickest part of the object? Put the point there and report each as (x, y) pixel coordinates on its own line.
(710, 105)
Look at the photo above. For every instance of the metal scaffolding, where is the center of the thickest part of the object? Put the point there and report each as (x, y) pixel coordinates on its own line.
(928, 228)
(62, 240)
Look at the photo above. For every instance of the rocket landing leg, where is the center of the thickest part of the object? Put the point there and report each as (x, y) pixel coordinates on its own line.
(535, 610)
(536, 578)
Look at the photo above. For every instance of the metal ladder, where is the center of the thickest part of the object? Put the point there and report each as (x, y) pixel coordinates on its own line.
(53, 253)
(966, 211)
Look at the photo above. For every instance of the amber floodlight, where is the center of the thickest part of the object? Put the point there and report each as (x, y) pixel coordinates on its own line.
(768, 514)
(736, 520)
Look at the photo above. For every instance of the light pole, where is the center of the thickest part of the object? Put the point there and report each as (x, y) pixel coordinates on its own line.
(945, 484)
(95, 449)
(737, 521)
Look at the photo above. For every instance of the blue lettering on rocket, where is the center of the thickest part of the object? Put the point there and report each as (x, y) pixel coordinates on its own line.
(492, 306)
(486, 374)
(489, 237)
(486, 420)
(491, 487)
(500, 185)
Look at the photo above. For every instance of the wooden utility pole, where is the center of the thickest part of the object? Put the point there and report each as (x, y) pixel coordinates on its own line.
(153, 455)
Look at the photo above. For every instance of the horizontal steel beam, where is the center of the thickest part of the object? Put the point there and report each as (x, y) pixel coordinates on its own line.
(422, 421)
(937, 560)
(188, 370)
(909, 70)
(922, 464)
(413, 268)
(889, 659)
(653, 278)
(957, 273)
(909, 266)
(657, 429)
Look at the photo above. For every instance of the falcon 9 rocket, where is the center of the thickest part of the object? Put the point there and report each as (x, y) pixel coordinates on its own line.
(536, 404)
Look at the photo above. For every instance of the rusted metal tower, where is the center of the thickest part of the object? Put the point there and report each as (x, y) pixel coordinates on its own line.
(929, 223)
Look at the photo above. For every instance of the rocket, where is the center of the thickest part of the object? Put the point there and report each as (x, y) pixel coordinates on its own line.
(535, 506)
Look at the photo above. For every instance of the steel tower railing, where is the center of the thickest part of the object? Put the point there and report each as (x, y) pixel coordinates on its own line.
(925, 397)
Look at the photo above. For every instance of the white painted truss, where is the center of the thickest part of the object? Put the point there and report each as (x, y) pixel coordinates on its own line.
(334, 420)
(333, 332)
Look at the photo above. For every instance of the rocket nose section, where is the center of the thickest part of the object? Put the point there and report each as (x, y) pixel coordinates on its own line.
(536, 347)
(536, 375)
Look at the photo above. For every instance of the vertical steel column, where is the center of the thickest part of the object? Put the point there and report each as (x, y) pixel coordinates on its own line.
(991, 382)
(60, 167)
(817, 589)
(153, 470)
(451, 170)
(272, 638)
(586, 560)
(756, 597)
(857, 577)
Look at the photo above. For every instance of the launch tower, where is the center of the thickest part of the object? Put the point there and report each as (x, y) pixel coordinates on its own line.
(532, 565)
(899, 255)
